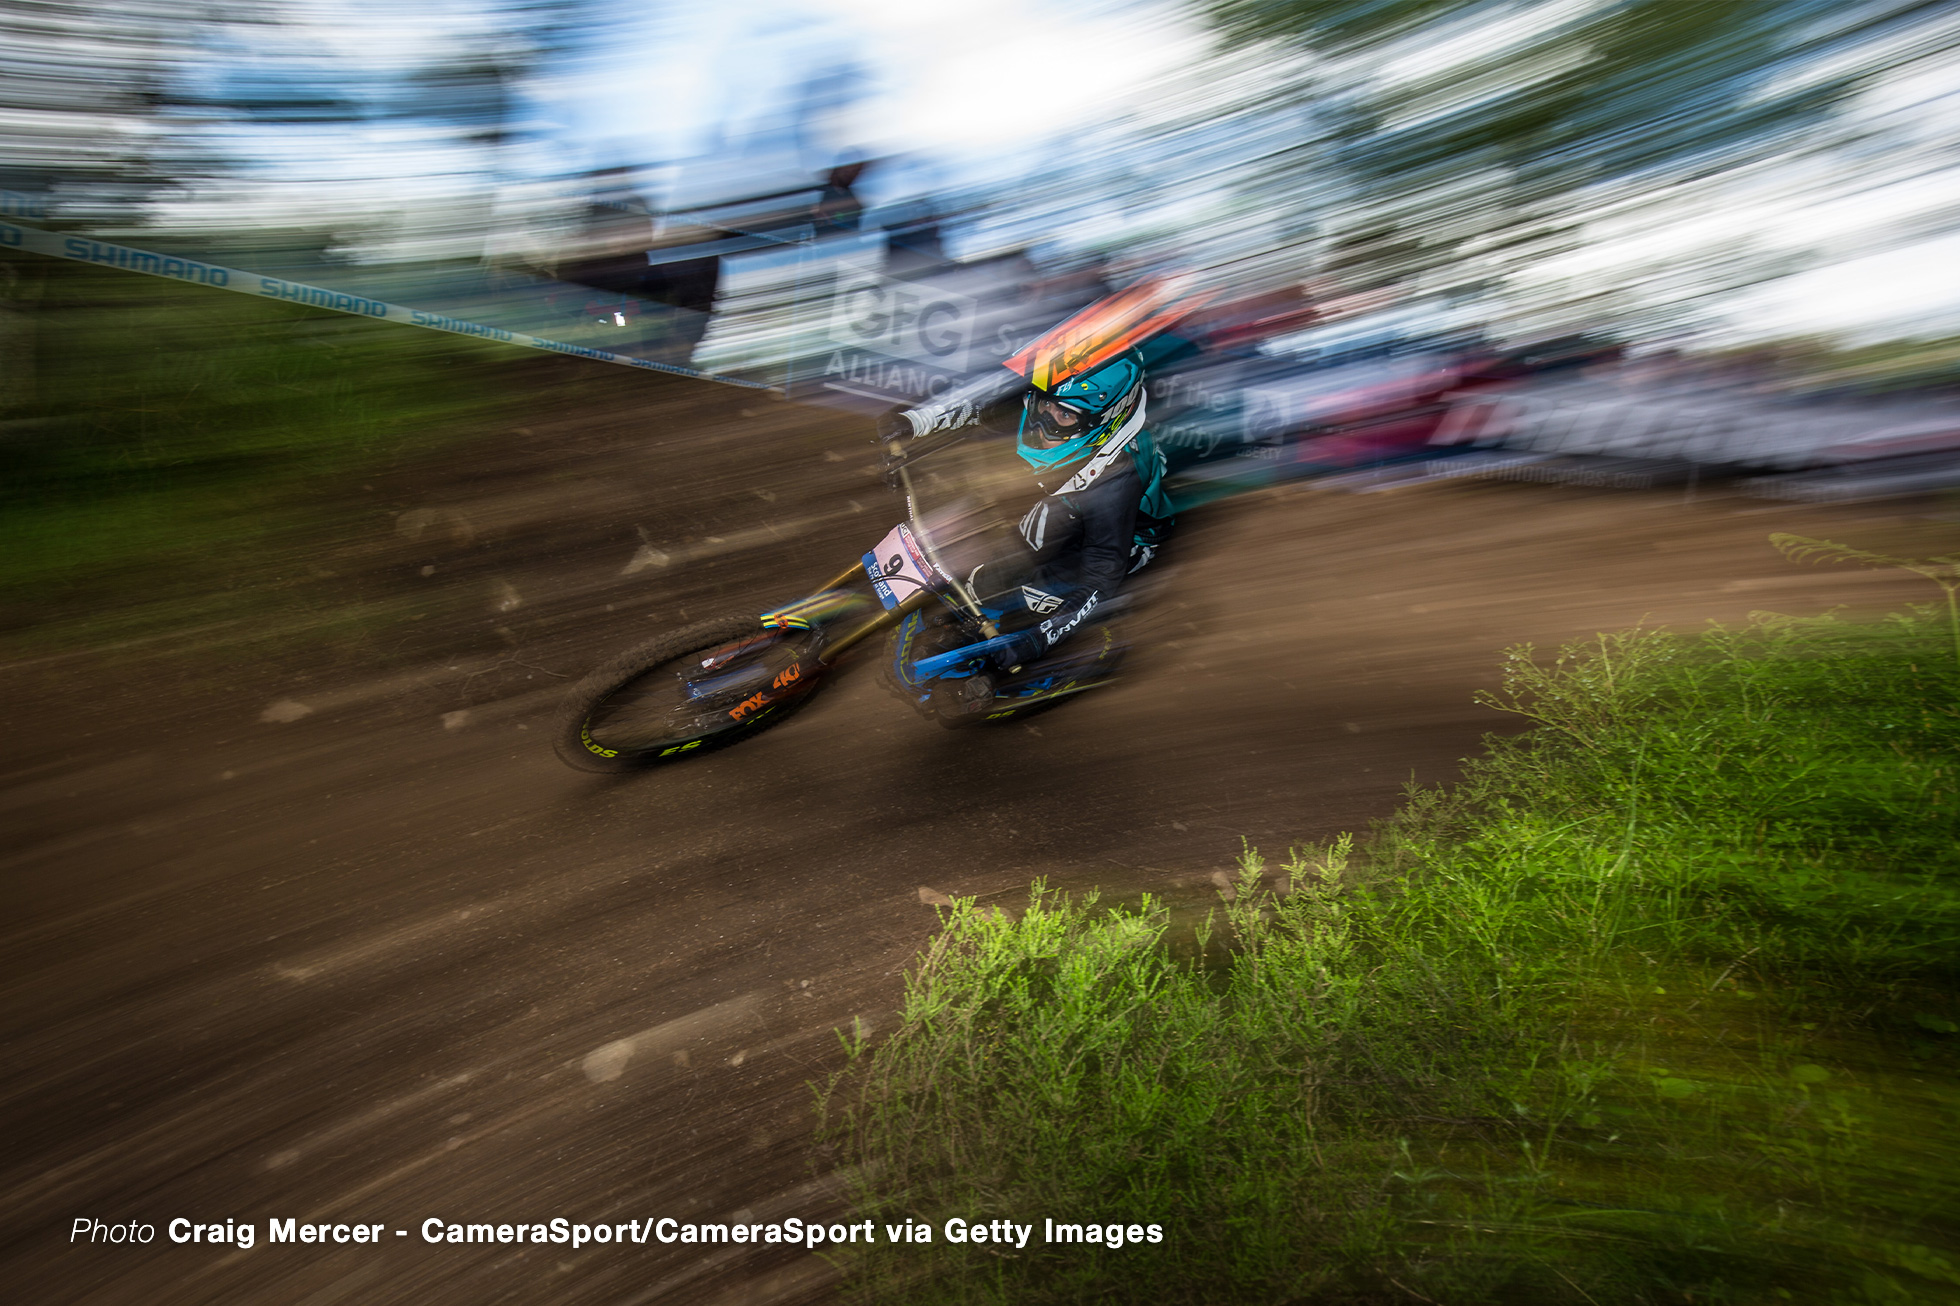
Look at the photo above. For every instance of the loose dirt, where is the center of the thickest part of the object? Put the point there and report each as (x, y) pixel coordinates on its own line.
(309, 924)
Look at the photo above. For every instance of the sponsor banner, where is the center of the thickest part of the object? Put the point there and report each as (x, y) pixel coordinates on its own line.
(1340, 395)
(902, 319)
(857, 379)
(1604, 419)
(82, 249)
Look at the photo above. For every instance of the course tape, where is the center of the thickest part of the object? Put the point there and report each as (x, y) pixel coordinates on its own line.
(82, 249)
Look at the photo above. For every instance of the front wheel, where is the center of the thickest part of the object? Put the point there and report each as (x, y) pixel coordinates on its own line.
(698, 688)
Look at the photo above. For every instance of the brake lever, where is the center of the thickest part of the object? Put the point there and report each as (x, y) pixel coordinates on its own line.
(894, 459)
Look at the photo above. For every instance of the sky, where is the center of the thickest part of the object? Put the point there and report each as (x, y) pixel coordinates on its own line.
(964, 82)
(970, 93)
(970, 90)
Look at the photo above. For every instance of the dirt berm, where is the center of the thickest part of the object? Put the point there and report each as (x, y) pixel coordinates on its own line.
(309, 924)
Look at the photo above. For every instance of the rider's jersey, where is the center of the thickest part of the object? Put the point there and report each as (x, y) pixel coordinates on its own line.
(1084, 542)
(1098, 520)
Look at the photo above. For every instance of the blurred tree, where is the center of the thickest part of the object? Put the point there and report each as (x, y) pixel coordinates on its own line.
(82, 79)
(110, 107)
(1458, 139)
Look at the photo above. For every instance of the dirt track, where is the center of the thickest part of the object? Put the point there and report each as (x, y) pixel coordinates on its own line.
(383, 962)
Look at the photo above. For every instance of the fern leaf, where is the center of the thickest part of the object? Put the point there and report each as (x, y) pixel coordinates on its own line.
(1803, 548)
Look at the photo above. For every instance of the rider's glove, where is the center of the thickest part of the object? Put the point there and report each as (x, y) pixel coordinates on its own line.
(1023, 646)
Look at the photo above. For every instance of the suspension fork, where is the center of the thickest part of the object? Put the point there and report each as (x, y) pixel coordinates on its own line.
(851, 575)
(882, 622)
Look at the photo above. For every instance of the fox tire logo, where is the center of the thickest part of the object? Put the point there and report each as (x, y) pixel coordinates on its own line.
(1040, 601)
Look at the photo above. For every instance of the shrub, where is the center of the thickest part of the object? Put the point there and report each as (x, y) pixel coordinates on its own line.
(1657, 1005)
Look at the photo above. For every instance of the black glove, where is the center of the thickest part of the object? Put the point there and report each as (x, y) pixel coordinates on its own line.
(1024, 646)
(894, 425)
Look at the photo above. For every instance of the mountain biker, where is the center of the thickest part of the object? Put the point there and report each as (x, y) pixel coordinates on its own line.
(1102, 513)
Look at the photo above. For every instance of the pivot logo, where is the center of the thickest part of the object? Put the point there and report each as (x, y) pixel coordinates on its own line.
(1057, 636)
(902, 319)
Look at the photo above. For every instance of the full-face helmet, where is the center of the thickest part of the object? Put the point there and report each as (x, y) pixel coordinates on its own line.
(1078, 417)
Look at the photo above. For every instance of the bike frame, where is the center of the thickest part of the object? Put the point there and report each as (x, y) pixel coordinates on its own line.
(899, 462)
(884, 621)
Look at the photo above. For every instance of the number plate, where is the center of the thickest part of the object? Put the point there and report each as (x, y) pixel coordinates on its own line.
(898, 568)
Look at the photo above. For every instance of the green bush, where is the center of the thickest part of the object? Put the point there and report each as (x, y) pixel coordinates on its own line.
(1657, 1005)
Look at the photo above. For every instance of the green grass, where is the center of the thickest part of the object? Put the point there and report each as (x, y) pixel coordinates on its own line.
(1923, 364)
(1658, 1004)
(158, 437)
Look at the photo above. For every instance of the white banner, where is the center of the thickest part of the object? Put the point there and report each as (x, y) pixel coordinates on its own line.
(902, 319)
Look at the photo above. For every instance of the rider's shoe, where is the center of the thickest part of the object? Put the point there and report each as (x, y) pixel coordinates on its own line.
(958, 703)
(1090, 659)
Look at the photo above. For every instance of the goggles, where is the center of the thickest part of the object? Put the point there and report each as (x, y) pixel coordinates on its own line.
(1050, 421)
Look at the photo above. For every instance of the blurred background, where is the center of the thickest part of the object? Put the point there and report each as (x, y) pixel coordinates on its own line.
(1720, 173)
(306, 916)
(1746, 213)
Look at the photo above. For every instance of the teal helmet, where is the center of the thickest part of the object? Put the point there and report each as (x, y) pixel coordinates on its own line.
(1079, 416)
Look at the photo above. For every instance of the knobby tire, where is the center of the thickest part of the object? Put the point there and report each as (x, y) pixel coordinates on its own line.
(583, 740)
